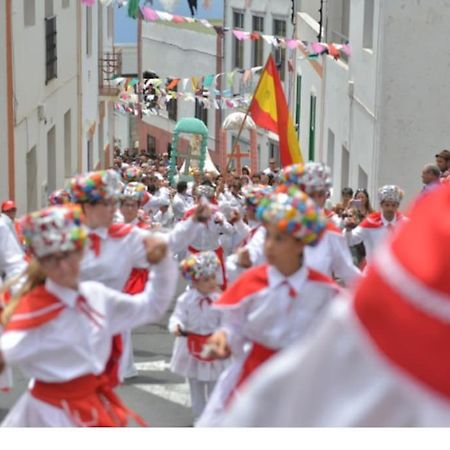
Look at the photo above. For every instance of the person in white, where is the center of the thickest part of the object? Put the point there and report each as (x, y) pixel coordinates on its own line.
(182, 202)
(122, 244)
(376, 227)
(58, 332)
(164, 218)
(133, 196)
(271, 306)
(12, 265)
(201, 229)
(332, 255)
(193, 322)
(379, 358)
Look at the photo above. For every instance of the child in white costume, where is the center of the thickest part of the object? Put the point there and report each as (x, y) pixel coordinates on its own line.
(270, 306)
(193, 322)
(59, 330)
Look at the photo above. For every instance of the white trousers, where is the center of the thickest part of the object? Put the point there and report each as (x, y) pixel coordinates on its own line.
(200, 393)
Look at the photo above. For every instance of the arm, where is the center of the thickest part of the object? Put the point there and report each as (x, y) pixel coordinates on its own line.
(131, 311)
(256, 247)
(183, 235)
(355, 236)
(12, 260)
(342, 263)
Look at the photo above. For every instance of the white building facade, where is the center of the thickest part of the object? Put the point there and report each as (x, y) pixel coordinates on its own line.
(380, 116)
(177, 52)
(56, 105)
(266, 17)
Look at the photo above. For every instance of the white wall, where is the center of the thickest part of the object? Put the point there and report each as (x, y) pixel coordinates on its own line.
(270, 10)
(3, 107)
(30, 90)
(176, 52)
(129, 58)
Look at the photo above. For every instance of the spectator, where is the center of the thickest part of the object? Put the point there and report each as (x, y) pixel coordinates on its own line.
(443, 162)
(272, 169)
(346, 196)
(362, 202)
(430, 177)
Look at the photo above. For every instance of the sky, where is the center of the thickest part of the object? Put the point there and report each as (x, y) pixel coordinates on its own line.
(126, 28)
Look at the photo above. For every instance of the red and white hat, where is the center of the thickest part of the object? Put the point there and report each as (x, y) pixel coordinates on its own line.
(8, 205)
(404, 301)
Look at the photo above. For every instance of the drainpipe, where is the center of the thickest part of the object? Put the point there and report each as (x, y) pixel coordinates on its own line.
(10, 100)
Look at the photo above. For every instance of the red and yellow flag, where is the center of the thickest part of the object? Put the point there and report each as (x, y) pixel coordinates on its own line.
(269, 110)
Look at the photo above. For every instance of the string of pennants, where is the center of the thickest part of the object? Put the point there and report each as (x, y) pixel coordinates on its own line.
(313, 48)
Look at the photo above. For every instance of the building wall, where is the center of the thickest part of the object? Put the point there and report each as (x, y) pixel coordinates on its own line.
(3, 106)
(269, 10)
(415, 92)
(177, 52)
(40, 107)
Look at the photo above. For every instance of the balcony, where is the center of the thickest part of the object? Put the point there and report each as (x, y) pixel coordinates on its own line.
(110, 67)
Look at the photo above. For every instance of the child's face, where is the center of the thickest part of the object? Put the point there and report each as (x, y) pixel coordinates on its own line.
(206, 285)
(281, 249)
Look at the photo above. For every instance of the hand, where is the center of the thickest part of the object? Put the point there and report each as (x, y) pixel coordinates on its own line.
(202, 213)
(243, 258)
(219, 345)
(178, 331)
(156, 249)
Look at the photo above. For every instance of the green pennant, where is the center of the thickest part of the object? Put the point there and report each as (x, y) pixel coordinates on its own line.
(133, 8)
(208, 81)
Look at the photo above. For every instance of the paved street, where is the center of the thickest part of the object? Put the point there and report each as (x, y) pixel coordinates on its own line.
(159, 396)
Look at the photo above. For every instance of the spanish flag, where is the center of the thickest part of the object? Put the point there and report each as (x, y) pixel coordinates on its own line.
(269, 110)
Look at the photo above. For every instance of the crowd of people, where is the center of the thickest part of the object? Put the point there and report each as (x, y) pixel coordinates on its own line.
(296, 311)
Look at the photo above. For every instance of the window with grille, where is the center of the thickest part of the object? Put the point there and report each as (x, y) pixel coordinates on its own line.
(172, 105)
(200, 111)
(238, 46)
(51, 58)
(258, 45)
(279, 30)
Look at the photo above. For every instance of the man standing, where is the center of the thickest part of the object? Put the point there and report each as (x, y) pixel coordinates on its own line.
(372, 230)
(272, 169)
(430, 177)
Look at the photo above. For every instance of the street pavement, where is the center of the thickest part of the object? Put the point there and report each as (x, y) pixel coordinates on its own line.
(160, 397)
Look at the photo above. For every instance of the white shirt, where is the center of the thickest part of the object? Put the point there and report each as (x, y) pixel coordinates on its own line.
(371, 237)
(117, 258)
(70, 345)
(181, 203)
(337, 378)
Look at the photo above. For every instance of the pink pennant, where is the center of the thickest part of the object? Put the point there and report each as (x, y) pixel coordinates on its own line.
(88, 2)
(241, 35)
(292, 43)
(347, 50)
(149, 14)
(317, 47)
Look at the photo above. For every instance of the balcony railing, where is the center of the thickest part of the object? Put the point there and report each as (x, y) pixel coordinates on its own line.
(110, 67)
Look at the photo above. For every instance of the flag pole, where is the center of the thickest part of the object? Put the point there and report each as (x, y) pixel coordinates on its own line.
(241, 128)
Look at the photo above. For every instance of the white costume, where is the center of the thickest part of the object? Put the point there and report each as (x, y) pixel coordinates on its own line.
(264, 311)
(194, 314)
(78, 342)
(181, 204)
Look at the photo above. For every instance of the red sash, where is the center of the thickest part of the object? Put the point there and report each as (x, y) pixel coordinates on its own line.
(195, 343)
(88, 400)
(219, 252)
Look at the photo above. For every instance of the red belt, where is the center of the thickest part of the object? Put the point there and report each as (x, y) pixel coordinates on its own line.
(195, 343)
(88, 400)
(219, 252)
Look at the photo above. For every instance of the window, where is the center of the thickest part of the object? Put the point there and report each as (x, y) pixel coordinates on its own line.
(51, 58)
(151, 145)
(65, 4)
(32, 188)
(258, 44)
(338, 23)
(368, 24)
(279, 30)
(68, 144)
(29, 12)
(298, 106)
(274, 151)
(330, 152)
(312, 127)
(238, 46)
(345, 167)
(362, 178)
(51, 160)
(200, 111)
(88, 31)
(172, 105)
